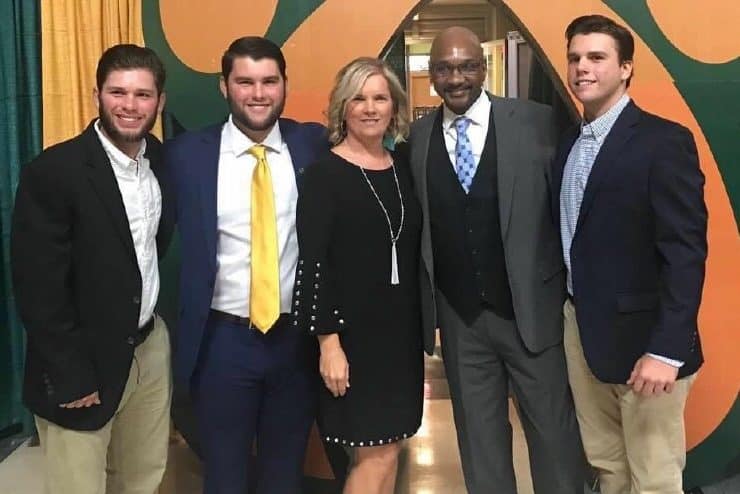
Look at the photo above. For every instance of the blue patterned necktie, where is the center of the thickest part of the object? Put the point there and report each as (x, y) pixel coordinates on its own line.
(464, 161)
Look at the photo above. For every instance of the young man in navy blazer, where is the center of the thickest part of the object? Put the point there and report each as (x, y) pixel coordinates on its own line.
(628, 197)
(251, 377)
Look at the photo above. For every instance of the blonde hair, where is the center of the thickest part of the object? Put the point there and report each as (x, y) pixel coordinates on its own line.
(349, 82)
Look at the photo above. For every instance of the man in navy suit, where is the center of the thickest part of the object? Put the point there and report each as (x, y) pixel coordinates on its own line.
(251, 376)
(628, 197)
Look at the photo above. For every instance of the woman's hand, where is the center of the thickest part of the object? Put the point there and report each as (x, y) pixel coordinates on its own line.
(333, 365)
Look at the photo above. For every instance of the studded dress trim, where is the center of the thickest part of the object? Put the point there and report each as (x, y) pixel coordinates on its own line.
(371, 442)
(313, 310)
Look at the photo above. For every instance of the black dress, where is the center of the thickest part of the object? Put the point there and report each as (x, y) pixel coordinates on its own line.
(343, 285)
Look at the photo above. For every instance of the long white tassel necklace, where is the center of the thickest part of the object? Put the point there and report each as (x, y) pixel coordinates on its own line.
(394, 238)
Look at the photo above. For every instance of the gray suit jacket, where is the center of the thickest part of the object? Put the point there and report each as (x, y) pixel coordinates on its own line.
(526, 137)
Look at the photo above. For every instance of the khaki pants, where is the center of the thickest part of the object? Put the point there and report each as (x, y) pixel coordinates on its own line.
(637, 444)
(128, 455)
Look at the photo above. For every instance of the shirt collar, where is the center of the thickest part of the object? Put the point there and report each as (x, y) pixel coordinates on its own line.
(601, 126)
(478, 113)
(118, 157)
(239, 142)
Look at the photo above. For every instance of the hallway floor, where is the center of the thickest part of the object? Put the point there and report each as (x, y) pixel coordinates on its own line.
(430, 462)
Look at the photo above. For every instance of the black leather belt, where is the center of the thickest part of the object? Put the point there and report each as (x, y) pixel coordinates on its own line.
(242, 321)
(141, 334)
(570, 298)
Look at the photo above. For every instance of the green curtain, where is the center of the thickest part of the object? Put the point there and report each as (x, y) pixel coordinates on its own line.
(20, 141)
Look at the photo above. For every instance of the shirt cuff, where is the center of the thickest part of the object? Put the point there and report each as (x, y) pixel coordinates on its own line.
(666, 360)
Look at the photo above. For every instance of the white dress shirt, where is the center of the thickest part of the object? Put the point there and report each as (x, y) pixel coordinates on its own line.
(479, 114)
(142, 200)
(233, 251)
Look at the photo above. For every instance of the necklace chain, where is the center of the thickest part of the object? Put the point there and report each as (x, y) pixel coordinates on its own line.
(394, 238)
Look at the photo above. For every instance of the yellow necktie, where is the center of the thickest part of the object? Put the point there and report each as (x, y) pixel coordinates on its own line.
(264, 290)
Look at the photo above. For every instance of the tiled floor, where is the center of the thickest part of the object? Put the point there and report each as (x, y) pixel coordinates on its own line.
(430, 462)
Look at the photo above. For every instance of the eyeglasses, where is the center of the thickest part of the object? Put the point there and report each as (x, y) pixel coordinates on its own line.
(444, 69)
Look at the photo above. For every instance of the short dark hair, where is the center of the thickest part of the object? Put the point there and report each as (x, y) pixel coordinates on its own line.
(595, 23)
(254, 47)
(126, 57)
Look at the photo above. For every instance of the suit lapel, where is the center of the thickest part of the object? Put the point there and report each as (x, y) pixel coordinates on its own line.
(300, 149)
(606, 160)
(507, 149)
(206, 169)
(419, 154)
(104, 183)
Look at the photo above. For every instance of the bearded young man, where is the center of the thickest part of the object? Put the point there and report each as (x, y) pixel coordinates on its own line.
(86, 237)
(250, 372)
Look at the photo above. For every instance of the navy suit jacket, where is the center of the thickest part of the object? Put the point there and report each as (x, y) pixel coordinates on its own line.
(191, 164)
(638, 254)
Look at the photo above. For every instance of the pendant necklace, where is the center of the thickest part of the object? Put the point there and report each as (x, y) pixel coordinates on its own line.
(394, 238)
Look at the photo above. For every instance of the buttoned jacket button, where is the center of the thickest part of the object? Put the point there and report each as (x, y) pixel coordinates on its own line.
(137, 299)
(130, 340)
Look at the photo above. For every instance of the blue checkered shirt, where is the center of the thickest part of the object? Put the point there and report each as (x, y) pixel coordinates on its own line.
(577, 170)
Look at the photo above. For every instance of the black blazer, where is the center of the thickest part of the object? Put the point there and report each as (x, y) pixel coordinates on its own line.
(76, 279)
(640, 246)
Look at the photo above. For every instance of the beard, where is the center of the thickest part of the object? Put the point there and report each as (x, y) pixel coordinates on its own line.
(241, 117)
(117, 135)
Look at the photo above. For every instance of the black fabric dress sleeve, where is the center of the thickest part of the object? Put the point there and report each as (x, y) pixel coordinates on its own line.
(315, 302)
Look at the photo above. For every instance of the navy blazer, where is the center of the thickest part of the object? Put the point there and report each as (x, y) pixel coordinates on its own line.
(191, 165)
(640, 246)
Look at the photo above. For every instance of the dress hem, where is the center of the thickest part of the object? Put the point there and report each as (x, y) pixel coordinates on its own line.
(373, 442)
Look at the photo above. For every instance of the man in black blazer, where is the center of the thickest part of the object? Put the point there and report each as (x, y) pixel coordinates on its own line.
(493, 279)
(86, 237)
(629, 203)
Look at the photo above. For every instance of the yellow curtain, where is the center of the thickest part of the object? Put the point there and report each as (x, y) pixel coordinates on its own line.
(74, 33)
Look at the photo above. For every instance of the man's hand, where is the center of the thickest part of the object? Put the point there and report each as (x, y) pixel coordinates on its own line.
(333, 365)
(86, 402)
(651, 377)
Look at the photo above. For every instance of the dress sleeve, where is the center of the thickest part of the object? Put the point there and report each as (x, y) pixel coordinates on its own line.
(315, 302)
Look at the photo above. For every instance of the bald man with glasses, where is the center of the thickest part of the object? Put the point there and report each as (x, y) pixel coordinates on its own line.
(494, 280)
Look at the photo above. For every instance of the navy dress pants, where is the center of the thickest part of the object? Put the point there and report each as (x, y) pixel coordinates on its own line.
(253, 387)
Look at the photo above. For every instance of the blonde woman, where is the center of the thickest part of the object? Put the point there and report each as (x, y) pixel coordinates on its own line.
(359, 227)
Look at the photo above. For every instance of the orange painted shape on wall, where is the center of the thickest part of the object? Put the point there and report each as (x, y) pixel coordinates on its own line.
(199, 32)
(717, 385)
(336, 33)
(705, 31)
